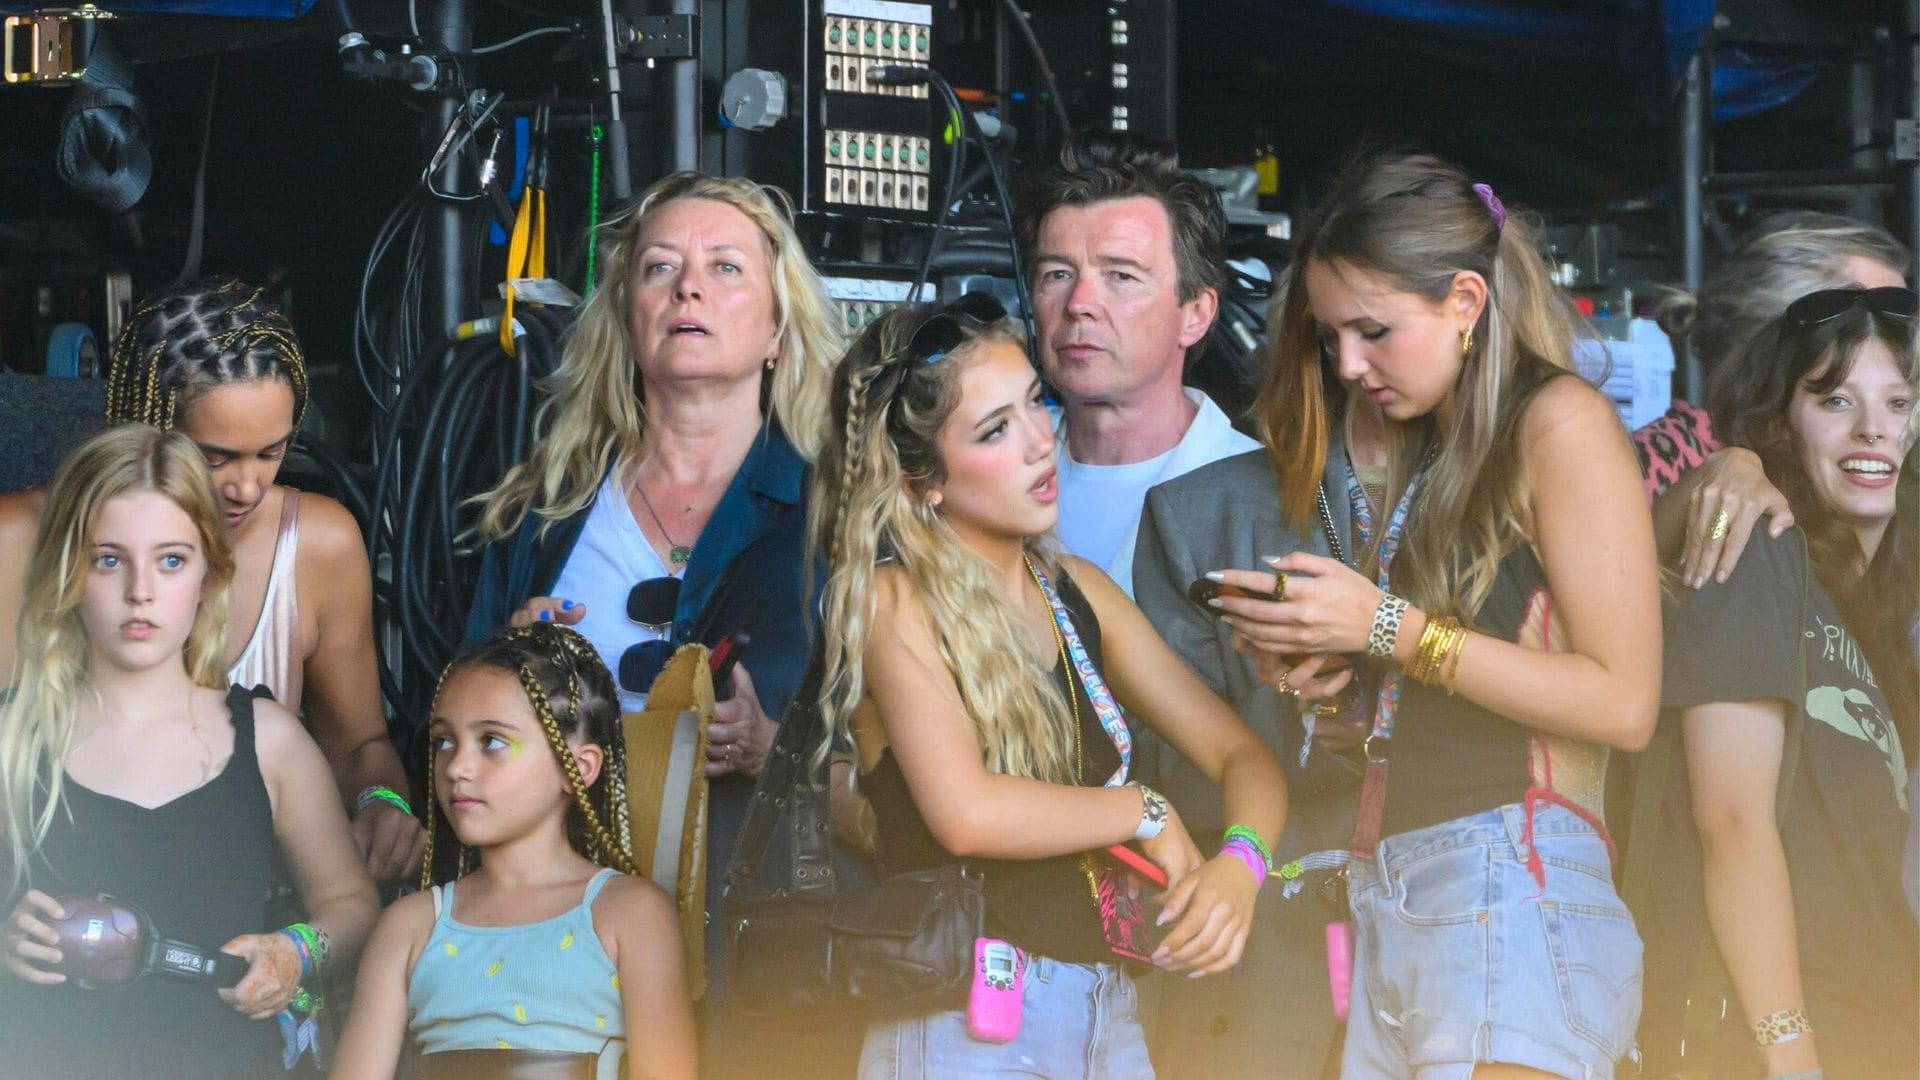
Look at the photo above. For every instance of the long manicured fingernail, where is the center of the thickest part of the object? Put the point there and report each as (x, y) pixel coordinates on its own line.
(1214, 601)
(1215, 575)
(1272, 560)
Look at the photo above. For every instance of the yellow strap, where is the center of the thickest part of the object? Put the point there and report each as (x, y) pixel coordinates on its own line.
(537, 253)
(516, 261)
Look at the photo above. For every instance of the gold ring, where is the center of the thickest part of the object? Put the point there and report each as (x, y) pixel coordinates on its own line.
(1279, 586)
(1284, 688)
(1722, 524)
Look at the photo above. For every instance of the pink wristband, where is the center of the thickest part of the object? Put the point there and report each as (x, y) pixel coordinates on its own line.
(1243, 851)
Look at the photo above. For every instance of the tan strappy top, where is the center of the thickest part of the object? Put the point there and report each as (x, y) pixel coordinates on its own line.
(273, 657)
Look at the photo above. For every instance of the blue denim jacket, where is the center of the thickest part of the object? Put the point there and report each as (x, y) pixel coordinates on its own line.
(749, 572)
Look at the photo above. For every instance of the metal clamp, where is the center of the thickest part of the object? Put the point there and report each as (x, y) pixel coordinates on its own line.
(49, 47)
(660, 37)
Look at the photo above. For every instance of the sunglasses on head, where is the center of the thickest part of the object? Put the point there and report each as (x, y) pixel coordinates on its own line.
(651, 603)
(1894, 301)
(945, 329)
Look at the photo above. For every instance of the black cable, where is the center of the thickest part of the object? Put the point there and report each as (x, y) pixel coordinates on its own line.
(956, 151)
(1019, 19)
(1006, 205)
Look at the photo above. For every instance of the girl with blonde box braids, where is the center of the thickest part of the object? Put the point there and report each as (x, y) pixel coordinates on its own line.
(551, 952)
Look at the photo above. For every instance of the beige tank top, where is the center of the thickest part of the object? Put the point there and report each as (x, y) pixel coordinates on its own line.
(272, 657)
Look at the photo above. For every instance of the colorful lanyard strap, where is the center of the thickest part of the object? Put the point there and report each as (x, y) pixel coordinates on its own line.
(1391, 682)
(1112, 719)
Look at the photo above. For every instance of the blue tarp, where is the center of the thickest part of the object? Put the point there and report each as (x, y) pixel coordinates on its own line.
(1655, 38)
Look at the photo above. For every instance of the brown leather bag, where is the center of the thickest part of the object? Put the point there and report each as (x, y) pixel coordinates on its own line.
(899, 947)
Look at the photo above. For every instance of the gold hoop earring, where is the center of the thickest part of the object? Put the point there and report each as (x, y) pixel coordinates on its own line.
(1466, 341)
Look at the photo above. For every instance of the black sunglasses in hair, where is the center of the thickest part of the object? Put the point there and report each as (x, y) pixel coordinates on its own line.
(1893, 301)
(651, 603)
(945, 329)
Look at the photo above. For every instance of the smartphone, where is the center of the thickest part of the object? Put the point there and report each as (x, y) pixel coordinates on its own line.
(722, 660)
(1203, 590)
(999, 981)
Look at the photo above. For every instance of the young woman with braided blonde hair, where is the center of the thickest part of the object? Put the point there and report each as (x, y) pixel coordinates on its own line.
(217, 360)
(551, 954)
(982, 679)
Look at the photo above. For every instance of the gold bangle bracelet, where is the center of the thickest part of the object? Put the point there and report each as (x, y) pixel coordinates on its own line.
(1453, 662)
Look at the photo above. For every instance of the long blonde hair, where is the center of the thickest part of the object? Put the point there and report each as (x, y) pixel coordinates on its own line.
(37, 721)
(1417, 221)
(593, 413)
(869, 505)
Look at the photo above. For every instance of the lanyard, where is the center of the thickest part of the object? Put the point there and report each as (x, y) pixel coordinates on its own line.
(1112, 719)
(1391, 683)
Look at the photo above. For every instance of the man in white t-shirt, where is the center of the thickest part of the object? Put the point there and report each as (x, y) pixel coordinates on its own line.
(1126, 257)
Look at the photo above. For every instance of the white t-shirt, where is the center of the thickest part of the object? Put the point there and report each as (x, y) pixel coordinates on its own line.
(1100, 505)
(611, 557)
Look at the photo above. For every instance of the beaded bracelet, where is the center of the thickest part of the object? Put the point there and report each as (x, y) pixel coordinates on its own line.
(1242, 832)
(1244, 851)
(387, 795)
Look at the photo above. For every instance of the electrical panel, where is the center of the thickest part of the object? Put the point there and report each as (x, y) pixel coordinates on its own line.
(849, 146)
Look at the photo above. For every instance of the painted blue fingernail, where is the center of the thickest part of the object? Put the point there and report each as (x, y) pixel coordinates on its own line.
(545, 614)
(1216, 575)
(566, 605)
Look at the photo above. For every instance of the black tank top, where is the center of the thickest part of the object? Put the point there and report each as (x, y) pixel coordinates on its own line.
(1044, 906)
(1452, 758)
(198, 866)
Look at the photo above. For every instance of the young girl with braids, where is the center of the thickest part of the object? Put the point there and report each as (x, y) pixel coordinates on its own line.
(550, 955)
(130, 767)
(983, 680)
(218, 362)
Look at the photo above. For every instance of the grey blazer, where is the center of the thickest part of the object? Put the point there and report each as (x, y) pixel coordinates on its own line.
(1227, 515)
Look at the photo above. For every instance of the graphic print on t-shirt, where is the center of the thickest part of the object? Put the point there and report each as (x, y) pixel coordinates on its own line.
(1842, 694)
(1852, 713)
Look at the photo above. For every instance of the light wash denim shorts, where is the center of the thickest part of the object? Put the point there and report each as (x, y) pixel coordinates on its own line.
(1461, 957)
(1076, 1020)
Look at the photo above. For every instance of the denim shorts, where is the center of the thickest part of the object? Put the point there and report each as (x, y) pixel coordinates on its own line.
(1076, 1020)
(1461, 957)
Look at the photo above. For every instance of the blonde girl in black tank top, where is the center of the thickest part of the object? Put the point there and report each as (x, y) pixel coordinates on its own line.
(128, 766)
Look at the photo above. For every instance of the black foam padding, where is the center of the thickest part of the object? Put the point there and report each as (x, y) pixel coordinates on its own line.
(41, 420)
